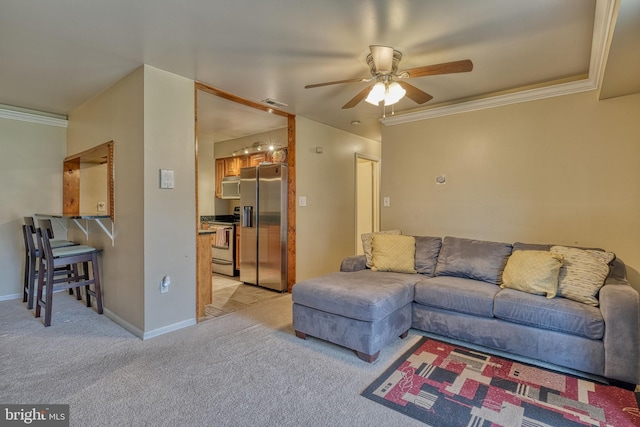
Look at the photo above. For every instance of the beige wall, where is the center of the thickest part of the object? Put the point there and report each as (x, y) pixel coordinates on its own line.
(206, 176)
(149, 115)
(118, 114)
(169, 215)
(326, 227)
(31, 176)
(560, 170)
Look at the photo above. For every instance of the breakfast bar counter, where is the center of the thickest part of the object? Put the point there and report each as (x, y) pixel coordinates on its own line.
(82, 221)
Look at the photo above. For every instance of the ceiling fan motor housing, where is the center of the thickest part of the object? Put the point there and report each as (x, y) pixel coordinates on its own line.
(383, 60)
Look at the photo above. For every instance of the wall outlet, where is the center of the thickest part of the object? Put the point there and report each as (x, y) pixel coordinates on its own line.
(164, 284)
(101, 207)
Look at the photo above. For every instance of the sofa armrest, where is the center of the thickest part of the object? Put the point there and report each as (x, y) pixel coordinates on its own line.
(620, 307)
(354, 263)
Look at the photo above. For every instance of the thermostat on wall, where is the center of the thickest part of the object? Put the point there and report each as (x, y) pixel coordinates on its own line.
(166, 178)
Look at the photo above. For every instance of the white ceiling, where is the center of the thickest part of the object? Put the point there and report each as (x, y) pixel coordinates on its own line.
(55, 55)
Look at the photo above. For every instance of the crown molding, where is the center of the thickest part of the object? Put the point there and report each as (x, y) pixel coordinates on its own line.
(32, 118)
(603, 20)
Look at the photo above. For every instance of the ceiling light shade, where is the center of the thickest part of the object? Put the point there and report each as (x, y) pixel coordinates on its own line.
(394, 93)
(376, 94)
(390, 93)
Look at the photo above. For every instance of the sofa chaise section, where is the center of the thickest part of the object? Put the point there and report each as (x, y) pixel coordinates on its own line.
(363, 312)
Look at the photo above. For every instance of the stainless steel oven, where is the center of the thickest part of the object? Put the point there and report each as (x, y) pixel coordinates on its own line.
(223, 248)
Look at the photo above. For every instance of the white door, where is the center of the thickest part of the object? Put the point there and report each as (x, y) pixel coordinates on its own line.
(367, 198)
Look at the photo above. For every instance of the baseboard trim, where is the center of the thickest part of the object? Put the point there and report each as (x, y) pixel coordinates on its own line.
(10, 297)
(120, 321)
(147, 334)
(169, 328)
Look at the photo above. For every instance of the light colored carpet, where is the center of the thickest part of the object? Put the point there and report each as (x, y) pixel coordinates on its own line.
(246, 368)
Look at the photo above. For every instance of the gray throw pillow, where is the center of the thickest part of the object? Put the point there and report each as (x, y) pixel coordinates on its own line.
(473, 259)
(427, 250)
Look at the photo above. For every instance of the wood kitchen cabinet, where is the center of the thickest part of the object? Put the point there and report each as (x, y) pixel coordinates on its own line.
(232, 166)
(219, 175)
(257, 158)
(204, 274)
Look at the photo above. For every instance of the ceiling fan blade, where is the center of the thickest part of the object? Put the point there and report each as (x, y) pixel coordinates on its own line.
(382, 58)
(337, 82)
(416, 95)
(356, 99)
(445, 68)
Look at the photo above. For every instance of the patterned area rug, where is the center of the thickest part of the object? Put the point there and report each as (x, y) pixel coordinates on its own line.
(445, 385)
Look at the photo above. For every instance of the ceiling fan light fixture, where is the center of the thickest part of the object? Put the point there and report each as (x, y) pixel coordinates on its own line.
(390, 93)
(394, 93)
(376, 94)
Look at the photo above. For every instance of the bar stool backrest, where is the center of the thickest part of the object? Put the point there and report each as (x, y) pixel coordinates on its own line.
(29, 230)
(44, 235)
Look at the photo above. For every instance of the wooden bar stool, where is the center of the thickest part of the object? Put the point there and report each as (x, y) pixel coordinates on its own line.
(32, 260)
(68, 256)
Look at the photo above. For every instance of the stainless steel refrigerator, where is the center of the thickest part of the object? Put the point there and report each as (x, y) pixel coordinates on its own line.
(263, 226)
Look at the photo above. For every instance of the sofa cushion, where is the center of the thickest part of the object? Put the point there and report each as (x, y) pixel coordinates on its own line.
(473, 259)
(393, 253)
(366, 242)
(457, 294)
(557, 314)
(427, 250)
(535, 272)
(583, 273)
(364, 295)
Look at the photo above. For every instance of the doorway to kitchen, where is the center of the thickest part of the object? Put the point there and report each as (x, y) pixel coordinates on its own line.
(367, 196)
(223, 121)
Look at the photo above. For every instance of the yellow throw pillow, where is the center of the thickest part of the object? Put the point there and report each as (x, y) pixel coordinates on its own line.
(393, 253)
(366, 243)
(534, 272)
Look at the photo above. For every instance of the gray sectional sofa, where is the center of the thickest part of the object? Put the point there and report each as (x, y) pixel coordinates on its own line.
(456, 293)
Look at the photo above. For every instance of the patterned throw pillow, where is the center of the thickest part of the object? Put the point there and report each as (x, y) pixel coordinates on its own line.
(534, 272)
(393, 253)
(583, 273)
(366, 243)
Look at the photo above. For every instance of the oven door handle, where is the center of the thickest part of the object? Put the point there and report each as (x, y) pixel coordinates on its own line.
(221, 261)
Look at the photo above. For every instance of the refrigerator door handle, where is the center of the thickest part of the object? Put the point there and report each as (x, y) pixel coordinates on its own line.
(247, 216)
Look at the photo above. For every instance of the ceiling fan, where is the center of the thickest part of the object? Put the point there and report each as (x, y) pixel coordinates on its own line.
(389, 87)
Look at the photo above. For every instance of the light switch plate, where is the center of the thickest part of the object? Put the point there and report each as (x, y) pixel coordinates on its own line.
(166, 178)
(302, 201)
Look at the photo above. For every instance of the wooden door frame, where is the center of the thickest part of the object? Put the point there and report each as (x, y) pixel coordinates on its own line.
(291, 161)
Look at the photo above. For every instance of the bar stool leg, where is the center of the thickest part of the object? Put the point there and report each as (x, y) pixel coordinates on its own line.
(39, 294)
(96, 286)
(49, 297)
(85, 276)
(25, 288)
